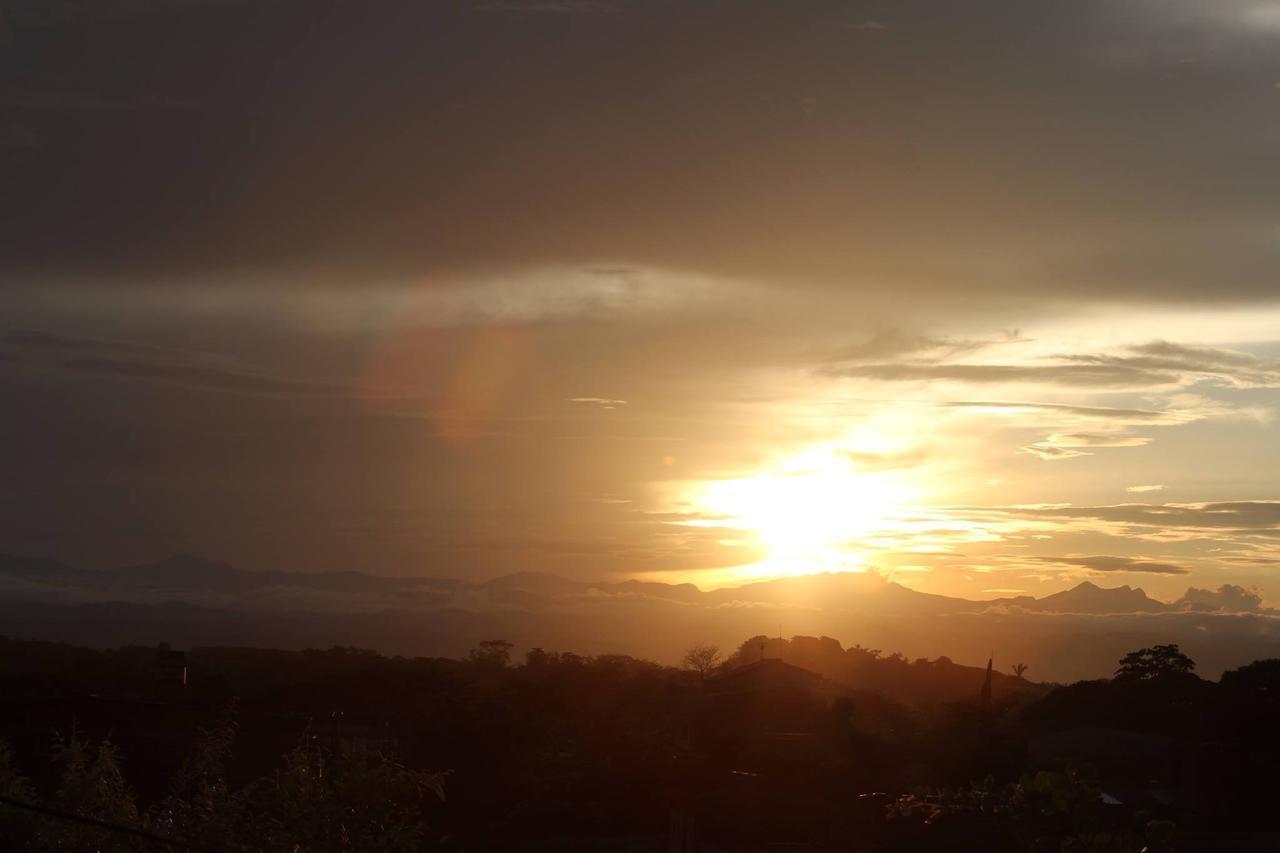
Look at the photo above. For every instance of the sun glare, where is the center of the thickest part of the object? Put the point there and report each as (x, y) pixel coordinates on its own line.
(809, 511)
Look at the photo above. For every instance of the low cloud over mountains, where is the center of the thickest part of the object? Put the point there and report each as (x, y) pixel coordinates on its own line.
(1072, 634)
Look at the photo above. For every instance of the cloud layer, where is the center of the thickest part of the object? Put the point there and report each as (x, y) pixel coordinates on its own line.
(830, 145)
(981, 301)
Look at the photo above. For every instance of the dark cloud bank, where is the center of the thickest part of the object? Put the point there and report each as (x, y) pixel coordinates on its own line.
(1003, 146)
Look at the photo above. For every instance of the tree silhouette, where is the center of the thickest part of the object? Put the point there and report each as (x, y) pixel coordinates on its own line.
(1018, 669)
(1262, 677)
(16, 828)
(702, 659)
(90, 784)
(494, 653)
(200, 803)
(342, 799)
(1154, 662)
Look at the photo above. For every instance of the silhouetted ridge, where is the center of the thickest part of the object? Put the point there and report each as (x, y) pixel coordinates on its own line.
(843, 591)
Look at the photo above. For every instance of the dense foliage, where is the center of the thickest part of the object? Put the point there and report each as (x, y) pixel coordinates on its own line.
(347, 750)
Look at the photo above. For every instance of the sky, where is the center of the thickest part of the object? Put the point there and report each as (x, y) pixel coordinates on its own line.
(979, 296)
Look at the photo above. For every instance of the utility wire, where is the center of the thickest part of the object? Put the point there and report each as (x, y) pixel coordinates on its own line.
(172, 843)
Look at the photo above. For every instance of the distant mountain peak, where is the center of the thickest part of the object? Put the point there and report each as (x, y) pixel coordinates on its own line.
(1088, 597)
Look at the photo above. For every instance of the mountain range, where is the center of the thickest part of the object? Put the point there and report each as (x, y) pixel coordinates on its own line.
(198, 581)
(1076, 633)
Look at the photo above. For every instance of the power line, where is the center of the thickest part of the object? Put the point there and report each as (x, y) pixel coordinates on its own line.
(242, 712)
(108, 825)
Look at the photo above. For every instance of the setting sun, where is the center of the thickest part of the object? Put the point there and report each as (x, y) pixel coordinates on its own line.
(808, 511)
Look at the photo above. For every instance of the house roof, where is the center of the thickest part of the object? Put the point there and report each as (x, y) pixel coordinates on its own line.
(765, 674)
